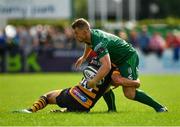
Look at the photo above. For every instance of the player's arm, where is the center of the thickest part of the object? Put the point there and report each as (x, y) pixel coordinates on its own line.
(118, 80)
(102, 72)
(87, 50)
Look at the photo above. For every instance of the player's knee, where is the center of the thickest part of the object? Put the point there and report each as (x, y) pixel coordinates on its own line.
(129, 94)
(51, 96)
(138, 83)
(48, 96)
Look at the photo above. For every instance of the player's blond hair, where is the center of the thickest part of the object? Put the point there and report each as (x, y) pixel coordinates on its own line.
(80, 23)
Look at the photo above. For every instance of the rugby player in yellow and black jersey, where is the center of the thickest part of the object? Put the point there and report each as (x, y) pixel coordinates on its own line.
(79, 98)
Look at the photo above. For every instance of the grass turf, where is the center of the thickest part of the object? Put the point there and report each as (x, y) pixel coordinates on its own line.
(18, 91)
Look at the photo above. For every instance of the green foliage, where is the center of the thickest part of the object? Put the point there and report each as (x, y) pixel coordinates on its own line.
(19, 91)
(80, 8)
(30, 22)
(171, 7)
(170, 21)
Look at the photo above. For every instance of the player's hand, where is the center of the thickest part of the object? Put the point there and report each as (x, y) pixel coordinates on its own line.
(91, 83)
(79, 62)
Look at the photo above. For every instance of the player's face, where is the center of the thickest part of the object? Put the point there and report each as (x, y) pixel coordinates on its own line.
(80, 35)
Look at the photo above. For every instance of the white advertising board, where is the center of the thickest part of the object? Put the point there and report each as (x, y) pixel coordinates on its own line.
(35, 9)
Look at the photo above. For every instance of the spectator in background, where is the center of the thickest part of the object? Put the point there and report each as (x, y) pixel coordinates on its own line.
(157, 44)
(133, 38)
(58, 37)
(25, 40)
(122, 34)
(173, 41)
(144, 39)
(35, 39)
(45, 40)
(69, 40)
(12, 40)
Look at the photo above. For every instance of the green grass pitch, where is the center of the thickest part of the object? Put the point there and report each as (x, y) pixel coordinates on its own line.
(18, 91)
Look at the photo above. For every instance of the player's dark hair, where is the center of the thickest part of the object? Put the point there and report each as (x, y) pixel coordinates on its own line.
(80, 23)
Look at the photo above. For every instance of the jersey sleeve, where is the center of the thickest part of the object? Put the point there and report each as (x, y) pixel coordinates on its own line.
(101, 50)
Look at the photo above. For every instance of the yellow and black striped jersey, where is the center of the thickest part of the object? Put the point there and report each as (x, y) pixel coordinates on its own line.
(87, 97)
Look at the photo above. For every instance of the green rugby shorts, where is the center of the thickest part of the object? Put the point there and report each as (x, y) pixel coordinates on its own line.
(129, 69)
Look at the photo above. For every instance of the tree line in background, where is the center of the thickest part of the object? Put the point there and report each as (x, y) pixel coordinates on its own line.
(147, 9)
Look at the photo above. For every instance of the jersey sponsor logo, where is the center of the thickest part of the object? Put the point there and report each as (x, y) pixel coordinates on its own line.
(79, 95)
(100, 50)
(98, 46)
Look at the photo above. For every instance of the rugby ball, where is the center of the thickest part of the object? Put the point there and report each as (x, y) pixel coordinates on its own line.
(90, 72)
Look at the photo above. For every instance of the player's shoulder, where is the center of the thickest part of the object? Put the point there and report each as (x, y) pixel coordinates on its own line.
(96, 31)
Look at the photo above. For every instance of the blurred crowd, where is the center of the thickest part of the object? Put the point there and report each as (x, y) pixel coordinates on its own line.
(154, 42)
(45, 38)
(36, 38)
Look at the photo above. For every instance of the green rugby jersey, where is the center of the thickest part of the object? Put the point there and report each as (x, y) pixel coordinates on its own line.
(118, 49)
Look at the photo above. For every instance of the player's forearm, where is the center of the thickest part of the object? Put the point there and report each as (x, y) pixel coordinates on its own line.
(102, 72)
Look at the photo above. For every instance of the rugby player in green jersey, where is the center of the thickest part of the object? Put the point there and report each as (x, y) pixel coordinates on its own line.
(112, 49)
